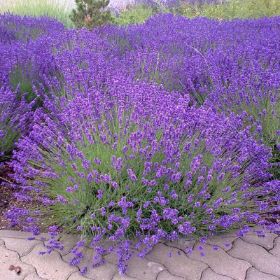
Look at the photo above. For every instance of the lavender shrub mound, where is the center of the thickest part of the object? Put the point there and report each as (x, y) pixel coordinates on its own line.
(25, 28)
(26, 68)
(14, 116)
(145, 133)
(230, 66)
(118, 165)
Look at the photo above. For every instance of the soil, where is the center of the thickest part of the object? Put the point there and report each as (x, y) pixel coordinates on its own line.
(6, 197)
(7, 200)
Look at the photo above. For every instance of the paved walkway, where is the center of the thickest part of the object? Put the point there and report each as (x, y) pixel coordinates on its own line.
(226, 257)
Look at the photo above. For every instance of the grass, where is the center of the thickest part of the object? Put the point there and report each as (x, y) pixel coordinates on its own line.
(136, 14)
(51, 8)
(232, 9)
(228, 10)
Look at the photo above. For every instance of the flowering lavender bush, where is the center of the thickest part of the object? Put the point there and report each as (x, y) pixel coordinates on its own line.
(110, 154)
(26, 28)
(25, 69)
(13, 115)
(211, 65)
(118, 165)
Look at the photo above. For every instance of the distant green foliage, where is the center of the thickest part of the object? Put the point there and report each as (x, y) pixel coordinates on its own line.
(37, 8)
(91, 13)
(136, 14)
(232, 9)
(228, 10)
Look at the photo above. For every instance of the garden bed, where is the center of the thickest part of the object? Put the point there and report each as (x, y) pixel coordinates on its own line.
(157, 131)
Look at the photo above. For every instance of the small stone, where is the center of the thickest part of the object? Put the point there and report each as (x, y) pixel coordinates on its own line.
(181, 244)
(11, 267)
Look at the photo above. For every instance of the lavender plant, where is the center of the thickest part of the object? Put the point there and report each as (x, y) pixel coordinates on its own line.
(210, 64)
(25, 69)
(14, 113)
(111, 154)
(118, 165)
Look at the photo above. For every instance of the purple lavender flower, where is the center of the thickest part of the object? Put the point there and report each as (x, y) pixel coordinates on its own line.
(121, 156)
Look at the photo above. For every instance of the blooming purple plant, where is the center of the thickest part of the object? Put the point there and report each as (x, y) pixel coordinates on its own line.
(117, 165)
(229, 66)
(110, 154)
(26, 68)
(24, 28)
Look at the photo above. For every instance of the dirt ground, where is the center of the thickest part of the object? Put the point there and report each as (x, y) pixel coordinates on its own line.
(6, 197)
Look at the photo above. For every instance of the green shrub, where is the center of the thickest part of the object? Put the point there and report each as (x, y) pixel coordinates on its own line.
(91, 13)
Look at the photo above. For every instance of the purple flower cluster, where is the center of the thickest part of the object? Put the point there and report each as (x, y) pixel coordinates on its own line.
(26, 68)
(229, 66)
(149, 131)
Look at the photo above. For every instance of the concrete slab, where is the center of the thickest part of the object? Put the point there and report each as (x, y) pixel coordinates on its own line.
(224, 257)
(220, 262)
(49, 266)
(9, 258)
(262, 260)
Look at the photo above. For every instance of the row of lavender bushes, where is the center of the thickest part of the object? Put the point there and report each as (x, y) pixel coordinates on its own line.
(151, 132)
